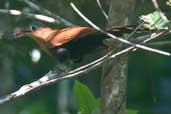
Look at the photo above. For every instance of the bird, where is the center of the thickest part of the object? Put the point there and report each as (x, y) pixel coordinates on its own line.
(70, 45)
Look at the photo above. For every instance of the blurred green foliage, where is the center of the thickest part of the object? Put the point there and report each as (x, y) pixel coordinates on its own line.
(168, 2)
(88, 104)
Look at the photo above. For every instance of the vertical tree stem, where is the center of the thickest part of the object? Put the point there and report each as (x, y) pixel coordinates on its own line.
(114, 79)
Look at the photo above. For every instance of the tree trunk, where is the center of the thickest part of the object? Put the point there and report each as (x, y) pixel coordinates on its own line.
(114, 79)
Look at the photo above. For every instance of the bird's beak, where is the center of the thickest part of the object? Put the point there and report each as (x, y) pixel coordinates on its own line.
(19, 32)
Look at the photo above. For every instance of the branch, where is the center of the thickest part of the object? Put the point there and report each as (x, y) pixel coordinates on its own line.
(118, 38)
(49, 78)
(49, 13)
(31, 15)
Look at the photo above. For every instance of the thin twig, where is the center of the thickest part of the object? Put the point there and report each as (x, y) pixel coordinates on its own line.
(152, 36)
(134, 31)
(49, 13)
(102, 10)
(118, 38)
(156, 35)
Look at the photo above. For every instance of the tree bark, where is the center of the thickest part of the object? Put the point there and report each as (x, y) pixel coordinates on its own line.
(114, 79)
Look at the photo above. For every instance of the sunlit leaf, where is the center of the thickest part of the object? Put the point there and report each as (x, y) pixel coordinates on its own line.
(154, 21)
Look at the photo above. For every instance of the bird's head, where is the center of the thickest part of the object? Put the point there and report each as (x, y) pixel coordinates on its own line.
(25, 31)
(38, 32)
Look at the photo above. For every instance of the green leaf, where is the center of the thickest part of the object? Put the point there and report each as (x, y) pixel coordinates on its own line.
(154, 21)
(86, 101)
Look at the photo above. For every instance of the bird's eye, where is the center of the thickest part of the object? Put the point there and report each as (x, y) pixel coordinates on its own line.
(32, 28)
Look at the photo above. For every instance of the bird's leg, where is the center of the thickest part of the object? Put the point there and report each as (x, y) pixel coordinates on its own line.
(63, 67)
